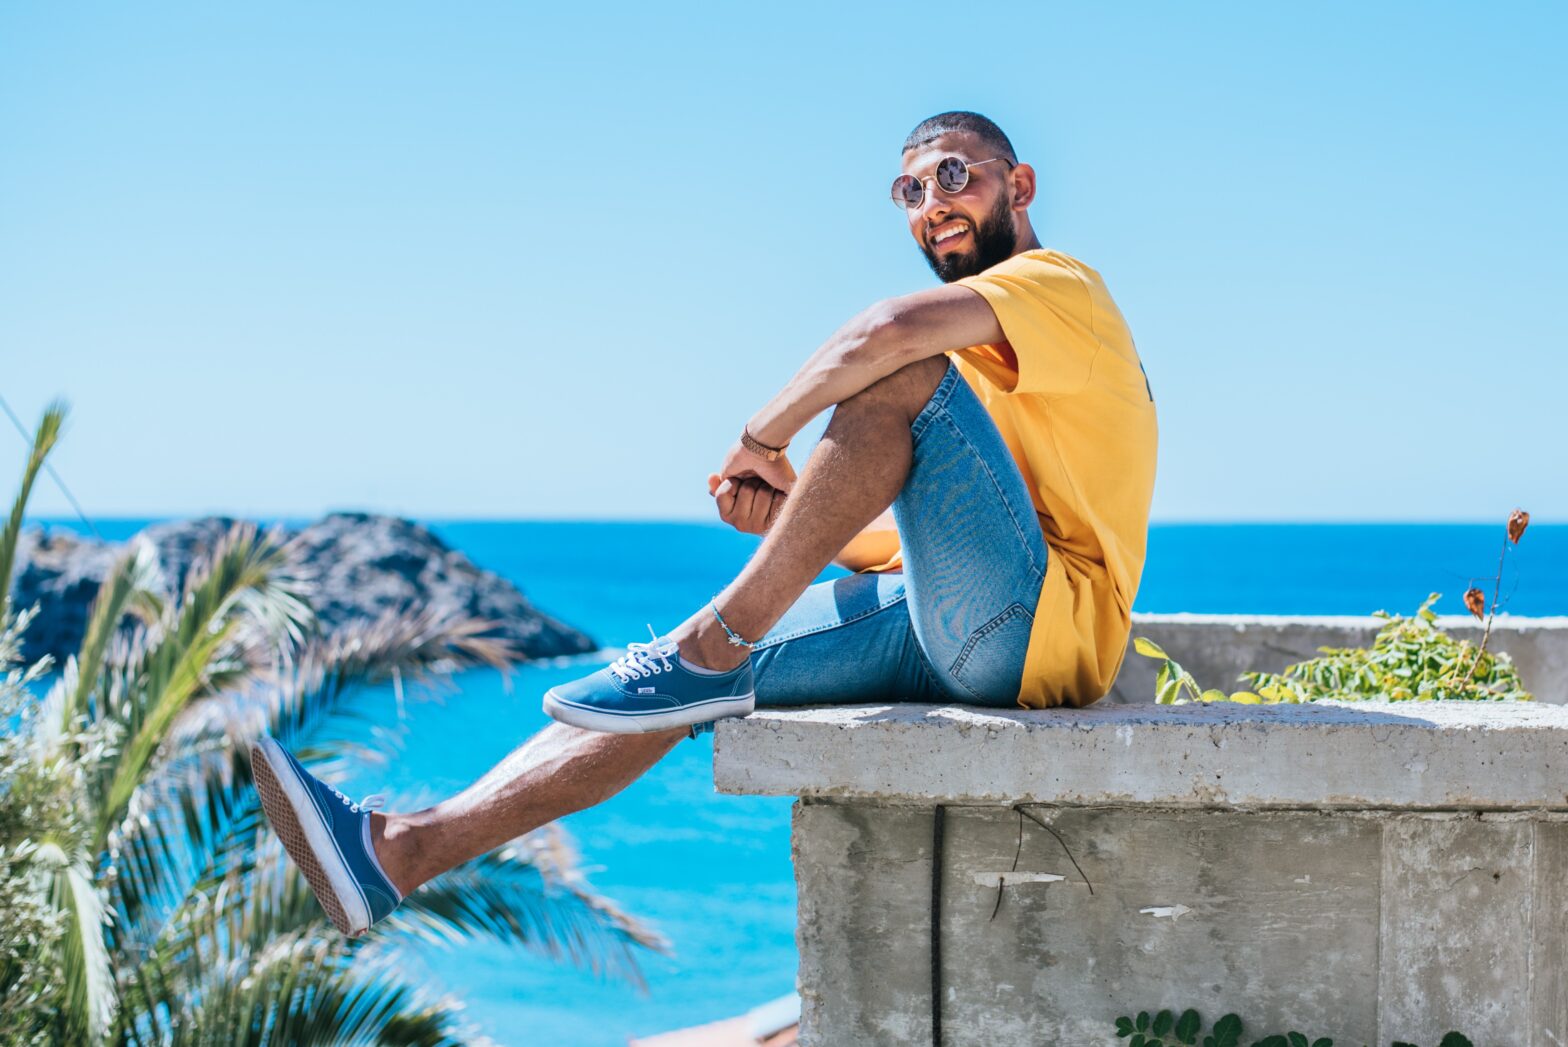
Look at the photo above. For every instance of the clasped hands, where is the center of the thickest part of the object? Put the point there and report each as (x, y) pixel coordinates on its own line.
(749, 490)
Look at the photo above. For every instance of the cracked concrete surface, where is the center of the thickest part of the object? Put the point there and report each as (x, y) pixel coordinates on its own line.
(1367, 872)
(1366, 928)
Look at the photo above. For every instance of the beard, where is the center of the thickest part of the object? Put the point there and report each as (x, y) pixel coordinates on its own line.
(995, 241)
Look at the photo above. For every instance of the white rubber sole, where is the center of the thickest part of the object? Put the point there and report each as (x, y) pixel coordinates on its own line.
(649, 722)
(306, 838)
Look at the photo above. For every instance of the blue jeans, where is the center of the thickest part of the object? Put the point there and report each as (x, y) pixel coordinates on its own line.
(955, 625)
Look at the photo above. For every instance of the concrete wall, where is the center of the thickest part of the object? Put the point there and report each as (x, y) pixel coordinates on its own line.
(1216, 648)
(1365, 928)
(1364, 872)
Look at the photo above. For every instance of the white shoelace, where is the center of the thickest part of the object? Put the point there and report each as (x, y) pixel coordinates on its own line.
(373, 802)
(644, 659)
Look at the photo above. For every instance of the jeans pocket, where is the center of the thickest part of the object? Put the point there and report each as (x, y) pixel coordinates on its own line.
(991, 665)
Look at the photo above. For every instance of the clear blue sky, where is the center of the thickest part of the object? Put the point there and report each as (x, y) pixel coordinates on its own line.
(508, 260)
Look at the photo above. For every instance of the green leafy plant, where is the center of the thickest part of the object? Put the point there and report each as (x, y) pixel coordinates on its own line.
(1410, 659)
(1166, 1029)
(143, 898)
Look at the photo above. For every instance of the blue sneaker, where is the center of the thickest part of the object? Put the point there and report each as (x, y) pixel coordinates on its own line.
(648, 689)
(327, 835)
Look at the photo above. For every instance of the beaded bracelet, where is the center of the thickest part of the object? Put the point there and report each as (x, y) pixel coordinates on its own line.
(734, 639)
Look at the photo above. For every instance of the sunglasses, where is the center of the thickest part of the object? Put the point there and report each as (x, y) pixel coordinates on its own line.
(952, 174)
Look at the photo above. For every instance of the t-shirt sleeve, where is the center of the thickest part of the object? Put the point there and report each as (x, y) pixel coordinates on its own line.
(1047, 314)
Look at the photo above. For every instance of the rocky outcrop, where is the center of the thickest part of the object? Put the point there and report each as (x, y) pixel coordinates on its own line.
(359, 565)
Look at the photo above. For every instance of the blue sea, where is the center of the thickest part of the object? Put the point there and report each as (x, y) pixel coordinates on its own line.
(713, 873)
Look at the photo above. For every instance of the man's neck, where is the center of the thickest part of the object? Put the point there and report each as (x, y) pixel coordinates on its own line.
(1028, 242)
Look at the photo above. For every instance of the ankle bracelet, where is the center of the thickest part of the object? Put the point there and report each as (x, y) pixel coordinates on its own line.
(734, 639)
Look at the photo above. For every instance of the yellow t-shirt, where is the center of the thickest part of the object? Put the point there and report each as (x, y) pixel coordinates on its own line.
(1070, 397)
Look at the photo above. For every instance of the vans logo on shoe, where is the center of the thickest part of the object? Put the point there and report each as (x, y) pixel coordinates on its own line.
(645, 690)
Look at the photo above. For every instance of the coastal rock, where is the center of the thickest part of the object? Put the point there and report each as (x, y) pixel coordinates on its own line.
(61, 572)
(360, 565)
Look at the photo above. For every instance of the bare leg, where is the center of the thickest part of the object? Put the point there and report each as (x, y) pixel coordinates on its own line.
(854, 473)
(556, 772)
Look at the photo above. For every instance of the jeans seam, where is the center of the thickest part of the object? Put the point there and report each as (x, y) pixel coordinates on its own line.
(985, 630)
(1018, 529)
(933, 678)
(938, 401)
(1011, 611)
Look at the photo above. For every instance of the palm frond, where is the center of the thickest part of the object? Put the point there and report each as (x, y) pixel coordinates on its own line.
(417, 644)
(88, 983)
(195, 812)
(529, 893)
(257, 966)
(188, 867)
(43, 442)
(224, 922)
(135, 578)
(187, 828)
(196, 926)
(178, 665)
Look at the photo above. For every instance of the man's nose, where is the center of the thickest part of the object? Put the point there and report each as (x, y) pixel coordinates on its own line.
(933, 206)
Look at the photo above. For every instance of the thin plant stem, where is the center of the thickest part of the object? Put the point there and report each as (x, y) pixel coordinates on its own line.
(1497, 586)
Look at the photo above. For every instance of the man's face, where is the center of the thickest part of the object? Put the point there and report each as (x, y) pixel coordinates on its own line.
(967, 232)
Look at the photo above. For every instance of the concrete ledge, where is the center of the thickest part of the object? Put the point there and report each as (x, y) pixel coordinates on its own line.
(1368, 871)
(1408, 755)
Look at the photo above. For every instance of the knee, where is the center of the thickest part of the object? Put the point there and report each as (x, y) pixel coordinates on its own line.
(910, 387)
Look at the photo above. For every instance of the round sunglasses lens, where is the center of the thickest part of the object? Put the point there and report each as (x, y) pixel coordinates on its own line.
(952, 174)
(907, 191)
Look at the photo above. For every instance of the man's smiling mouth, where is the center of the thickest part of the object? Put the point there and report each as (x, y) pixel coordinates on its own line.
(949, 232)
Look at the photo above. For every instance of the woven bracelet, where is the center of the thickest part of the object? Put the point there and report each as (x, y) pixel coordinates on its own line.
(734, 639)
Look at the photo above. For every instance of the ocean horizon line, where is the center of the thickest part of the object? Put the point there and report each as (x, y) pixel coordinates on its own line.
(65, 519)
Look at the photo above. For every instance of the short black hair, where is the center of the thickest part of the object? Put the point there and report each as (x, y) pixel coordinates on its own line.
(933, 127)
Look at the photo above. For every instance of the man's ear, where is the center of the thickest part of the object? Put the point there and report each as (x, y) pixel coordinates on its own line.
(1023, 185)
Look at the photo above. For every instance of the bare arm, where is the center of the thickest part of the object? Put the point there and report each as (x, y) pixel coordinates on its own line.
(873, 345)
(881, 339)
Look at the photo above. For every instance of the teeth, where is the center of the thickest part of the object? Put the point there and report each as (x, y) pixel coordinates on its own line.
(948, 234)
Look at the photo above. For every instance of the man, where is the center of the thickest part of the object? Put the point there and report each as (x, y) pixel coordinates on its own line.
(1005, 419)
